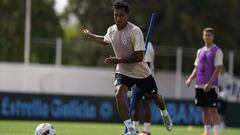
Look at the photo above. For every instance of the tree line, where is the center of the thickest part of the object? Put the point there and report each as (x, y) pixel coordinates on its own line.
(178, 23)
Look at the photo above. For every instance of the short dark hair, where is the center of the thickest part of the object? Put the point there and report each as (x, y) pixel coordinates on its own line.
(121, 4)
(209, 29)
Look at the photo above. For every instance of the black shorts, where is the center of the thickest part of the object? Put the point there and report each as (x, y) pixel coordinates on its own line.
(141, 96)
(222, 106)
(147, 85)
(206, 99)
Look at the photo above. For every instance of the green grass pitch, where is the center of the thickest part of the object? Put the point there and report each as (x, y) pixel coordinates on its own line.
(81, 128)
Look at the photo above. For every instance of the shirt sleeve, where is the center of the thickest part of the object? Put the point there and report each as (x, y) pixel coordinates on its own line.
(107, 37)
(149, 55)
(196, 60)
(137, 39)
(218, 61)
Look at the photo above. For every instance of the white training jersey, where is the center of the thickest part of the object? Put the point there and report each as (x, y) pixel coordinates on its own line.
(124, 42)
(149, 56)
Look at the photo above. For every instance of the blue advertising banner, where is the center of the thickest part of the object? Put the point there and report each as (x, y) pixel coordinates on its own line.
(181, 111)
(96, 109)
(57, 107)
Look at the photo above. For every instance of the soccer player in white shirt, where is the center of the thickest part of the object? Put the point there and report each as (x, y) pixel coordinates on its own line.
(128, 45)
(142, 98)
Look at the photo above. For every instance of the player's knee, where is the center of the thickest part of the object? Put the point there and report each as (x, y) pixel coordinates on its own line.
(150, 96)
(213, 111)
(153, 96)
(120, 92)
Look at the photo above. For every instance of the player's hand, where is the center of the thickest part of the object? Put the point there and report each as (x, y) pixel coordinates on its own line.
(188, 82)
(112, 60)
(206, 87)
(87, 34)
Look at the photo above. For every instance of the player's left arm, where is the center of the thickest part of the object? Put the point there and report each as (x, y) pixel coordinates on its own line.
(137, 56)
(214, 75)
(218, 62)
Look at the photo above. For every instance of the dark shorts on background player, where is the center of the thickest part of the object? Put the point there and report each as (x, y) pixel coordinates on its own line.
(206, 99)
(147, 85)
(141, 96)
(222, 106)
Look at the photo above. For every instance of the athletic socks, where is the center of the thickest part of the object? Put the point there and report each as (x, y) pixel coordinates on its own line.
(146, 127)
(216, 128)
(129, 126)
(136, 125)
(163, 112)
(207, 129)
(127, 123)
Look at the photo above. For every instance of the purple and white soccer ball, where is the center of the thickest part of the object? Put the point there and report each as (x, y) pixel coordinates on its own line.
(45, 129)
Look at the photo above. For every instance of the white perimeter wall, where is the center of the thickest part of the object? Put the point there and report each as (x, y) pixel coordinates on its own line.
(75, 80)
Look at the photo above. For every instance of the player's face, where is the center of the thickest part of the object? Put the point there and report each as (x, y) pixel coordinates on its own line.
(208, 37)
(120, 18)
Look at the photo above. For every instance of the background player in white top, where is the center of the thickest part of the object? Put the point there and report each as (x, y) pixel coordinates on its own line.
(149, 56)
(224, 90)
(142, 98)
(128, 45)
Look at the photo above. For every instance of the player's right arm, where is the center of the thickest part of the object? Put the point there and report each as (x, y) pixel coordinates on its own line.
(97, 38)
(191, 77)
(194, 72)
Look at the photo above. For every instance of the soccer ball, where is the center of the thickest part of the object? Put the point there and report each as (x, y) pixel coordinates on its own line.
(45, 129)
